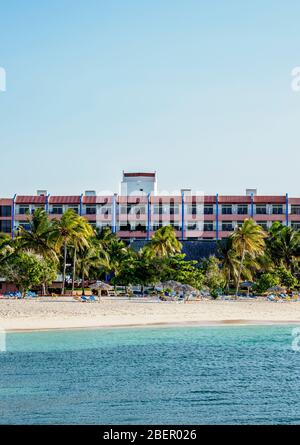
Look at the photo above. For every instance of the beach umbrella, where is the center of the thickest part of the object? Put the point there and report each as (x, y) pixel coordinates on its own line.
(99, 286)
(205, 292)
(189, 288)
(171, 284)
(248, 285)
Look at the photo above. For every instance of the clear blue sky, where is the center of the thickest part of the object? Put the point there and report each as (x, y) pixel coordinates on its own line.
(197, 90)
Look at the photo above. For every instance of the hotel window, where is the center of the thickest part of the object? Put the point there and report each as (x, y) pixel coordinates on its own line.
(90, 210)
(208, 210)
(192, 209)
(242, 209)
(25, 225)
(227, 209)
(277, 209)
(5, 226)
(176, 226)
(208, 227)
(295, 209)
(174, 209)
(227, 227)
(240, 223)
(57, 209)
(157, 209)
(140, 227)
(125, 227)
(5, 211)
(191, 226)
(295, 225)
(24, 210)
(261, 209)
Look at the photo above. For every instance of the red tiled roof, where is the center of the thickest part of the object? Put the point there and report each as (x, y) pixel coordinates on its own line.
(22, 199)
(234, 199)
(6, 201)
(294, 201)
(64, 200)
(269, 199)
(210, 199)
(132, 175)
(97, 200)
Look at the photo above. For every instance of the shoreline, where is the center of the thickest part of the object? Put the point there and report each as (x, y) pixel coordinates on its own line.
(202, 324)
(48, 314)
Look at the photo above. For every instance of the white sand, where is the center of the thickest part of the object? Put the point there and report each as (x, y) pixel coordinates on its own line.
(51, 313)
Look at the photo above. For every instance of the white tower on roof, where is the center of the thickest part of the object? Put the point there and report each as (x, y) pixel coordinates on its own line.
(138, 184)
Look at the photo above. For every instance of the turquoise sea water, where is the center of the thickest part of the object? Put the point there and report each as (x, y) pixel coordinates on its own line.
(207, 375)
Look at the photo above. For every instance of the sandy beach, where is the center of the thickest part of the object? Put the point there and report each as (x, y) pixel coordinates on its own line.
(65, 313)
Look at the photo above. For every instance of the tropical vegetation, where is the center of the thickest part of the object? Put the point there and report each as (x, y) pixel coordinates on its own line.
(72, 249)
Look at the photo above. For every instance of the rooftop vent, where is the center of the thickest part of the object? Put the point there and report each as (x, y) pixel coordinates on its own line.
(41, 192)
(250, 192)
(187, 192)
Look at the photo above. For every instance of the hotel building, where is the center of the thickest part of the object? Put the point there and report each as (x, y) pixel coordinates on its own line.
(138, 210)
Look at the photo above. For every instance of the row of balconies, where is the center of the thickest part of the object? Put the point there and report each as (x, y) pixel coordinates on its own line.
(227, 226)
(104, 209)
(191, 230)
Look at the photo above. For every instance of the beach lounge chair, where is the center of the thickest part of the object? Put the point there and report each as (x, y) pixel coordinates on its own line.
(31, 294)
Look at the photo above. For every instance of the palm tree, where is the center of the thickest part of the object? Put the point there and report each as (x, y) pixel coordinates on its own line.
(67, 231)
(88, 258)
(164, 242)
(6, 247)
(113, 251)
(283, 245)
(80, 240)
(230, 261)
(39, 236)
(247, 239)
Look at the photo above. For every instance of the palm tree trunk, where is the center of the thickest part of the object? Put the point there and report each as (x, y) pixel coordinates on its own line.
(239, 273)
(74, 270)
(228, 282)
(64, 269)
(82, 279)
